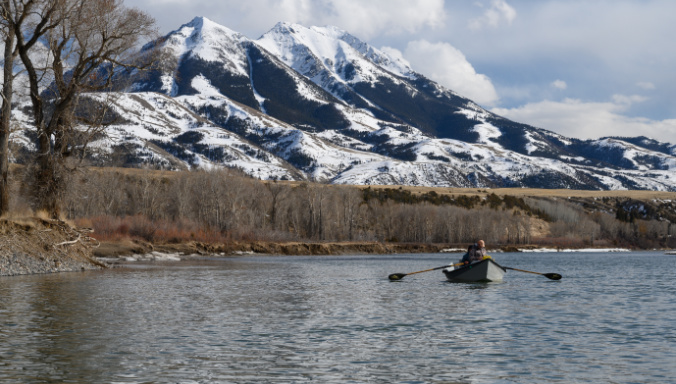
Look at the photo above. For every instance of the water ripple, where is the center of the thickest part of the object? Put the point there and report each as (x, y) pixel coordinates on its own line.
(339, 320)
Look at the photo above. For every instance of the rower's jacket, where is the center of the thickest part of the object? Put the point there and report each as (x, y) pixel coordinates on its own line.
(474, 253)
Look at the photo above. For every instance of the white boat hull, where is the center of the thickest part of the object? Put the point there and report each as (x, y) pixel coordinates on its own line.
(484, 270)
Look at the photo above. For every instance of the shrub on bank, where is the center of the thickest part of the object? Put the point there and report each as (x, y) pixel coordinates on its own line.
(110, 228)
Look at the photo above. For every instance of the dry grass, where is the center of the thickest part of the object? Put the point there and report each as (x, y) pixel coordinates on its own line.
(137, 172)
(518, 192)
(532, 192)
(109, 228)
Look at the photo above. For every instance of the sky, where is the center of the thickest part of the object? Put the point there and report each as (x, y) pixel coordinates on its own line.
(584, 69)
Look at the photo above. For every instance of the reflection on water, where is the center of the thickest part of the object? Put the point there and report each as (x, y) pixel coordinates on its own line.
(339, 319)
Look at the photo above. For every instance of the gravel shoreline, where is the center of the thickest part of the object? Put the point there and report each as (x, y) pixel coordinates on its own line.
(22, 264)
(36, 246)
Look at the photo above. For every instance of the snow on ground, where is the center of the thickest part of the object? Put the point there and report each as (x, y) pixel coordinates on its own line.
(487, 132)
(152, 117)
(581, 250)
(453, 250)
(328, 158)
(578, 159)
(612, 183)
(534, 144)
(331, 151)
(393, 172)
(344, 141)
(474, 112)
(558, 137)
(169, 85)
(635, 154)
(361, 120)
(202, 85)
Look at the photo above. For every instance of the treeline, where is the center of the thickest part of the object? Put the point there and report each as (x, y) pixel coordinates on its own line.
(225, 205)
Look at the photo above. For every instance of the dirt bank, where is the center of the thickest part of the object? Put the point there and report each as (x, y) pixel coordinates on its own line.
(129, 247)
(34, 245)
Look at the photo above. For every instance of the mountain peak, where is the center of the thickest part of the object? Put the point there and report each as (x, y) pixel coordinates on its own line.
(333, 46)
(295, 28)
(199, 21)
(285, 27)
(300, 31)
(203, 26)
(209, 41)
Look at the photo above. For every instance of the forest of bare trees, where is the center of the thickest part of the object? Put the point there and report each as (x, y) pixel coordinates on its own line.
(224, 205)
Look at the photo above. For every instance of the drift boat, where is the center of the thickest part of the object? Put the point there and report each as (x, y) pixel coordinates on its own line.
(479, 271)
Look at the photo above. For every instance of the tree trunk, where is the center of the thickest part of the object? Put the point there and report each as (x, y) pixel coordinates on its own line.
(5, 118)
(48, 185)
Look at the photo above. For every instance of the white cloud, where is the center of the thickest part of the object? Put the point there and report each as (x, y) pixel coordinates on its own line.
(498, 12)
(559, 84)
(591, 120)
(365, 19)
(627, 101)
(648, 86)
(375, 17)
(446, 65)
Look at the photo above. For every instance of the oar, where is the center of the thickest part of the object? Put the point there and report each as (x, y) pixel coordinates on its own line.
(399, 276)
(553, 276)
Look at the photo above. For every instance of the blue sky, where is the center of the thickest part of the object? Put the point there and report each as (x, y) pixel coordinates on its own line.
(584, 69)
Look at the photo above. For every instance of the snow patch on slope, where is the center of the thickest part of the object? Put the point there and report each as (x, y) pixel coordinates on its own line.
(487, 131)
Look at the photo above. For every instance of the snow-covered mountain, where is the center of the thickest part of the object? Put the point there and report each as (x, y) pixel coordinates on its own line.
(320, 104)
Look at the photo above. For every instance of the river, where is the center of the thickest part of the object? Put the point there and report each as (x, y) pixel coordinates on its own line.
(338, 319)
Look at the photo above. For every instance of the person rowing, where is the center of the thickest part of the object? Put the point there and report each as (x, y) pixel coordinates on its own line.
(475, 252)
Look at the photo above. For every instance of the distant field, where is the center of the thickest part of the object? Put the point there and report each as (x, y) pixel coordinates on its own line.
(533, 192)
(524, 192)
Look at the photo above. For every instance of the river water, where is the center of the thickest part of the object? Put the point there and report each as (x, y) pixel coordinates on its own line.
(338, 319)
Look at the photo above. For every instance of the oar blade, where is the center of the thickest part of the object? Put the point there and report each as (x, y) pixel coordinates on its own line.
(553, 276)
(396, 276)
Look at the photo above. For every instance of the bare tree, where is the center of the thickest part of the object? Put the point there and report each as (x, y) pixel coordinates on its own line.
(89, 43)
(351, 201)
(13, 16)
(276, 192)
(5, 112)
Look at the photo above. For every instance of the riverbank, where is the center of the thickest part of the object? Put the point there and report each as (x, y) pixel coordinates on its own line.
(35, 245)
(131, 249)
